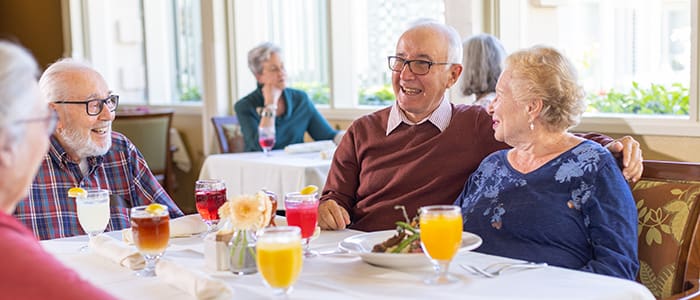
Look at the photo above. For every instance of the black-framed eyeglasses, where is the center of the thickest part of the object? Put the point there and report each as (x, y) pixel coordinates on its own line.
(50, 120)
(417, 66)
(94, 107)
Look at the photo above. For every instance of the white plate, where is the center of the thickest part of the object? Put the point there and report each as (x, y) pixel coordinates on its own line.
(362, 244)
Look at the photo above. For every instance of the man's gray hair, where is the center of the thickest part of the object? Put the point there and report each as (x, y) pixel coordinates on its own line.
(18, 73)
(454, 50)
(260, 54)
(51, 84)
(483, 63)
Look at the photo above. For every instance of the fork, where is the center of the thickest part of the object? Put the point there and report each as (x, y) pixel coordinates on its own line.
(497, 272)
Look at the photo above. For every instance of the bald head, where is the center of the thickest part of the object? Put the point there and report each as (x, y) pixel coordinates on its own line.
(57, 81)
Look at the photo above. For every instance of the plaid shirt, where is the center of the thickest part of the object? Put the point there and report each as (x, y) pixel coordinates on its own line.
(123, 171)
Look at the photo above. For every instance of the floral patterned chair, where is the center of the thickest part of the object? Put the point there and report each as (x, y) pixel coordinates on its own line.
(228, 132)
(669, 248)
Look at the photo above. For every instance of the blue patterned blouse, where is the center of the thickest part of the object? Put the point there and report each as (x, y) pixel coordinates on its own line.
(576, 211)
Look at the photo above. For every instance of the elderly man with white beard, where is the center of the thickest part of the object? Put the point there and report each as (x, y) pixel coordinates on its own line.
(84, 152)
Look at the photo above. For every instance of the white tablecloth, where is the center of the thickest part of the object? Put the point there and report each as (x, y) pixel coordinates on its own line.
(348, 277)
(247, 173)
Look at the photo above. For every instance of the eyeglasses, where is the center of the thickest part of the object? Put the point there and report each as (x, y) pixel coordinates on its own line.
(50, 120)
(417, 66)
(94, 107)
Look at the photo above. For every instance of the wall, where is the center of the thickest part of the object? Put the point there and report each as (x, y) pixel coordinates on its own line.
(36, 25)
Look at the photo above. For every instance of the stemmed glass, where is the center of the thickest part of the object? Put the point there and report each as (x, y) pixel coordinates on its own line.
(302, 211)
(93, 212)
(150, 226)
(440, 236)
(266, 138)
(209, 195)
(279, 257)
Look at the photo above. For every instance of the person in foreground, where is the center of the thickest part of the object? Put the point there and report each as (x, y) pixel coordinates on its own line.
(28, 272)
(84, 152)
(421, 150)
(483, 57)
(554, 197)
(273, 105)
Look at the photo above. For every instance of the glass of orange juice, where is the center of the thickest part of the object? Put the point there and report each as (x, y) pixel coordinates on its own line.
(279, 257)
(441, 237)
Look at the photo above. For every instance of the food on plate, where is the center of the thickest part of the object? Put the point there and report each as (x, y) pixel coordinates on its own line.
(406, 239)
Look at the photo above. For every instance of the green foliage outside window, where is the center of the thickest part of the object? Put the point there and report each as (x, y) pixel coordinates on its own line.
(318, 92)
(381, 95)
(191, 94)
(656, 99)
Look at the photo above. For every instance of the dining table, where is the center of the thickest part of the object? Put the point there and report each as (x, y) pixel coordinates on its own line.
(280, 172)
(335, 274)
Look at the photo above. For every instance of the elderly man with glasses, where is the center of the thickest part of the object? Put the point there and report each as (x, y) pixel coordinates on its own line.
(84, 152)
(422, 149)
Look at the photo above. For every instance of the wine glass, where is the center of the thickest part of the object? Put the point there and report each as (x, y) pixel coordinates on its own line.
(279, 257)
(209, 195)
(150, 226)
(93, 212)
(266, 138)
(440, 236)
(302, 211)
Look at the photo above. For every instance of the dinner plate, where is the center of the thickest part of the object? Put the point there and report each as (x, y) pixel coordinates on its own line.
(362, 244)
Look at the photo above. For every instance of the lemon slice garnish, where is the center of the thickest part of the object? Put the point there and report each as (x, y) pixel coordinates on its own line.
(75, 192)
(308, 190)
(155, 208)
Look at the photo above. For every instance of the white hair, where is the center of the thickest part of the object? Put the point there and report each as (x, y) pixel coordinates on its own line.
(454, 50)
(18, 73)
(50, 83)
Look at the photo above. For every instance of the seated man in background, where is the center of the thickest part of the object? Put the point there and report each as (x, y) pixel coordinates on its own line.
(28, 271)
(86, 153)
(273, 105)
(422, 149)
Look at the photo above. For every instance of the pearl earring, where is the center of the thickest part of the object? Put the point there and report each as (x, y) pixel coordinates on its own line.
(532, 126)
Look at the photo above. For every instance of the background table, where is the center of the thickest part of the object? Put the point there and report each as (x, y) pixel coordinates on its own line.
(247, 173)
(348, 277)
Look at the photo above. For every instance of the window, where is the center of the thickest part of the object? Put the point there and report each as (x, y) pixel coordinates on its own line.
(633, 57)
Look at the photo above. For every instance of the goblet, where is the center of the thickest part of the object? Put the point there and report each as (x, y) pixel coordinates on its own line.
(279, 257)
(302, 211)
(266, 138)
(150, 226)
(440, 236)
(93, 212)
(209, 195)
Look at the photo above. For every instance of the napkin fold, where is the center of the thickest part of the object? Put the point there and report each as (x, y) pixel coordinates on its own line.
(117, 251)
(309, 147)
(195, 283)
(181, 227)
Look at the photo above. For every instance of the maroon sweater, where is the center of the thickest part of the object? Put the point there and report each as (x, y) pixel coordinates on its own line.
(413, 166)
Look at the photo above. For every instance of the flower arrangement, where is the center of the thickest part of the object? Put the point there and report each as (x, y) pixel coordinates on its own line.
(243, 215)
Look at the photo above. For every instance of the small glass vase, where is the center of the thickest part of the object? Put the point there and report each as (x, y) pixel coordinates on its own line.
(242, 250)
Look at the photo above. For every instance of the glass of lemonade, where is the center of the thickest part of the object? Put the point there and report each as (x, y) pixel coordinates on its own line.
(209, 195)
(279, 257)
(150, 227)
(441, 237)
(301, 210)
(93, 211)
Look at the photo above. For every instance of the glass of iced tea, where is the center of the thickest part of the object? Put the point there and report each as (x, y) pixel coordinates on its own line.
(301, 210)
(279, 257)
(440, 236)
(150, 226)
(209, 195)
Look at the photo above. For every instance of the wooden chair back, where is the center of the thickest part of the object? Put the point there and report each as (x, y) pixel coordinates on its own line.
(228, 133)
(669, 248)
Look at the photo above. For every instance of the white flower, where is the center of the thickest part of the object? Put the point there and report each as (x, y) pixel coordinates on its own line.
(247, 212)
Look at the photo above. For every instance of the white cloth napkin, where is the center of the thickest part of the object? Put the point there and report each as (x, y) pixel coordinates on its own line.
(309, 147)
(180, 227)
(196, 283)
(117, 251)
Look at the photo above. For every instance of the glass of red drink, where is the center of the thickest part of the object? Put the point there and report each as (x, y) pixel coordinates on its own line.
(266, 138)
(209, 195)
(302, 211)
(150, 226)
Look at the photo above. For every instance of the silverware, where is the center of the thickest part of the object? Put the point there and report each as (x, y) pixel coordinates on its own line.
(490, 272)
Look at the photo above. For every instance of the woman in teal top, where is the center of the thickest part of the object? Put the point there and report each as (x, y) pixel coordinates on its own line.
(272, 104)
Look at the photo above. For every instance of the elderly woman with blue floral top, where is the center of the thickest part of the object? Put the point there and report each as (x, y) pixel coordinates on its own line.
(553, 197)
